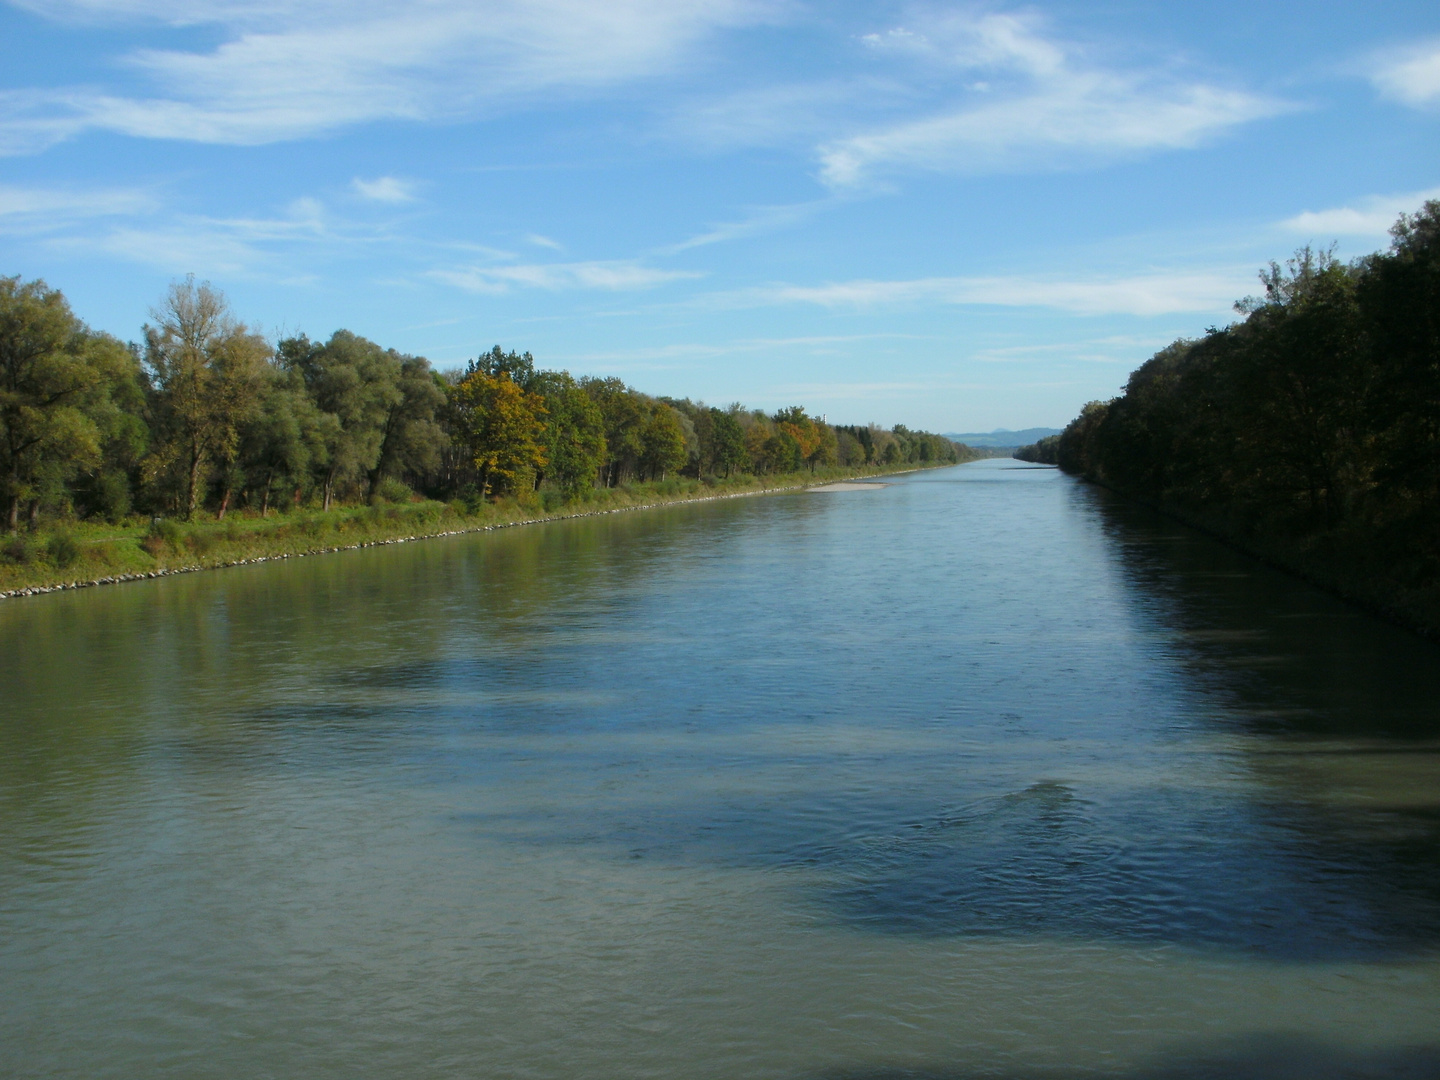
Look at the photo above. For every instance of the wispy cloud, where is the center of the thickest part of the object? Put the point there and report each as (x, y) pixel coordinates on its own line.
(1022, 99)
(815, 344)
(1411, 75)
(385, 189)
(290, 70)
(1144, 295)
(1114, 349)
(614, 276)
(544, 241)
(781, 114)
(237, 246)
(50, 207)
(761, 220)
(1371, 216)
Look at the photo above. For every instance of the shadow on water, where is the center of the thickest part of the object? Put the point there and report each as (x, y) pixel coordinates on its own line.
(1291, 659)
(1330, 851)
(1257, 1057)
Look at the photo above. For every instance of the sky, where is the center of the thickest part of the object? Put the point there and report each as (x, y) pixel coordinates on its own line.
(958, 217)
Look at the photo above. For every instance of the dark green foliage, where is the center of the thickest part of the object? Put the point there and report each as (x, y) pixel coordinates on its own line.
(18, 549)
(1044, 452)
(1311, 429)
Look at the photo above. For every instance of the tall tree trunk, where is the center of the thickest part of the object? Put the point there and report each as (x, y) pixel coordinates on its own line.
(224, 503)
(265, 499)
(196, 459)
(13, 519)
(329, 487)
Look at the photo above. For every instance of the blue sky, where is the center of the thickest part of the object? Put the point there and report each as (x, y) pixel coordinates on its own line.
(958, 217)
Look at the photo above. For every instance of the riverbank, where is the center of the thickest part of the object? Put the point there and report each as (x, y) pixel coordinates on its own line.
(81, 555)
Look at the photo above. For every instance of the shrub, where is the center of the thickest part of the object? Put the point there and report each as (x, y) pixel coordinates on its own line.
(62, 549)
(391, 490)
(19, 549)
(552, 500)
(165, 535)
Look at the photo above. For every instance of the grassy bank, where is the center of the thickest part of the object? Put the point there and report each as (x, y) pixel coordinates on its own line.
(76, 554)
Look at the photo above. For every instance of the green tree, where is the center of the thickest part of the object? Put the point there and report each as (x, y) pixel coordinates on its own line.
(356, 384)
(727, 442)
(55, 379)
(625, 415)
(574, 433)
(411, 438)
(283, 439)
(662, 442)
(1399, 298)
(207, 374)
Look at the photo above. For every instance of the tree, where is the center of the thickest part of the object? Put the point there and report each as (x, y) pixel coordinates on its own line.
(804, 430)
(574, 433)
(625, 415)
(727, 442)
(207, 372)
(283, 439)
(503, 426)
(781, 453)
(356, 384)
(1399, 298)
(662, 442)
(53, 375)
(520, 367)
(410, 435)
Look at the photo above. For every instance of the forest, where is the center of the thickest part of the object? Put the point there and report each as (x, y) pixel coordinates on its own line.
(206, 418)
(1308, 431)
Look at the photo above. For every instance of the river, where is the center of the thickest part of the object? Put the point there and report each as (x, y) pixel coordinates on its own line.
(979, 774)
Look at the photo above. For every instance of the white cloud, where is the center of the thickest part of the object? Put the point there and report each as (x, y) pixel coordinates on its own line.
(1371, 216)
(290, 70)
(48, 207)
(1411, 76)
(544, 241)
(215, 246)
(1041, 104)
(386, 189)
(614, 276)
(1144, 295)
(779, 115)
(763, 220)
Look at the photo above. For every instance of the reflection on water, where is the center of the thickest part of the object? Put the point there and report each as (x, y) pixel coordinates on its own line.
(981, 774)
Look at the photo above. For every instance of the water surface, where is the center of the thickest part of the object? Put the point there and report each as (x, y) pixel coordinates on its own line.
(979, 774)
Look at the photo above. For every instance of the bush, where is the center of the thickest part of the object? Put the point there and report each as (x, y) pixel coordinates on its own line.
(62, 549)
(552, 500)
(390, 490)
(19, 549)
(165, 536)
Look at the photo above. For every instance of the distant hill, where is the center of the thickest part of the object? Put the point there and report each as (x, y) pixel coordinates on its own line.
(1002, 437)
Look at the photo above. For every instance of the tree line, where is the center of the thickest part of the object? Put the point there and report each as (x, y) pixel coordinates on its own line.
(1313, 419)
(204, 415)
